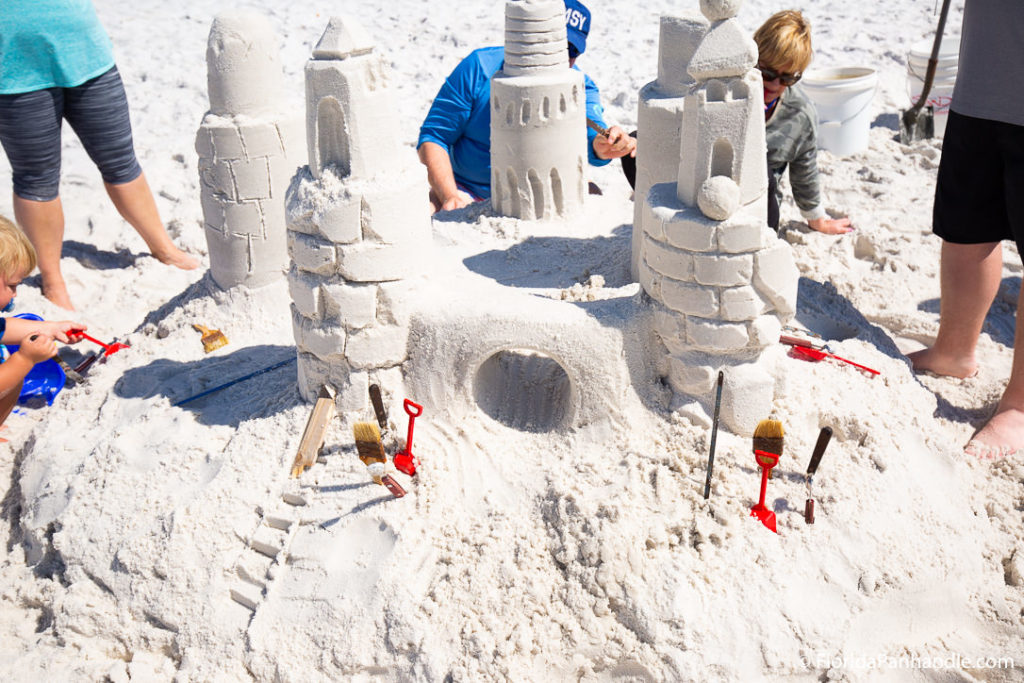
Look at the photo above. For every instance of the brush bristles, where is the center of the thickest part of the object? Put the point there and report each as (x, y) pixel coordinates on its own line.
(368, 443)
(769, 444)
(214, 341)
(769, 429)
(768, 437)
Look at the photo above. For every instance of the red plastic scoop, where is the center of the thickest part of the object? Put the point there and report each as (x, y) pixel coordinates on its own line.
(766, 461)
(816, 354)
(108, 349)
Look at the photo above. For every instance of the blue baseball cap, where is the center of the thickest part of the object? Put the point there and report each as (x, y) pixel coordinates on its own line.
(577, 25)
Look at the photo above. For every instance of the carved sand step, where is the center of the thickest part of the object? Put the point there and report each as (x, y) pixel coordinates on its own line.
(265, 557)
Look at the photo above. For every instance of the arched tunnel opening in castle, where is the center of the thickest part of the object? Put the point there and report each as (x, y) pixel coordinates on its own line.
(523, 389)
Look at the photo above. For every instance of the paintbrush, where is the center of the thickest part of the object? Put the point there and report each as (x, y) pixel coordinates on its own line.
(69, 371)
(212, 339)
(597, 127)
(371, 452)
(768, 437)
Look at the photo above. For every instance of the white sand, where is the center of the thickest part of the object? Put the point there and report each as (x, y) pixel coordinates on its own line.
(521, 555)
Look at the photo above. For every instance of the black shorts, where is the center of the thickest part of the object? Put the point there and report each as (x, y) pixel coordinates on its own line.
(979, 195)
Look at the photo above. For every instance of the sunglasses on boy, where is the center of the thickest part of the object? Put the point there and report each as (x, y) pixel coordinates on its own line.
(784, 78)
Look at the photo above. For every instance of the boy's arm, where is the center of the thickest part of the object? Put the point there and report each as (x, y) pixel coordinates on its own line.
(34, 349)
(441, 177)
(804, 179)
(595, 112)
(806, 184)
(13, 371)
(17, 329)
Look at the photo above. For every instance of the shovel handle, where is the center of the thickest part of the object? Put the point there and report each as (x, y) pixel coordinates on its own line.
(81, 333)
(412, 409)
(856, 365)
(817, 354)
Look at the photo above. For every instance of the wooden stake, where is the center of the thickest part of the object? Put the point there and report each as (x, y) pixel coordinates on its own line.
(315, 432)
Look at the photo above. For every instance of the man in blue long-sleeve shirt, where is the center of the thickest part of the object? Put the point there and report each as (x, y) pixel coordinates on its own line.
(455, 139)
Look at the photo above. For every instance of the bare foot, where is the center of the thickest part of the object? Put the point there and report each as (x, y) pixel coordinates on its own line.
(57, 292)
(177, 258)
(1003, 435)
(930, 360)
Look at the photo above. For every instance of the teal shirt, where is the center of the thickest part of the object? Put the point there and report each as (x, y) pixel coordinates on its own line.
(50, 43)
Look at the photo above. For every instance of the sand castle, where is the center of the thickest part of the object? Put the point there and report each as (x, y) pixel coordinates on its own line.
(246, 147)
(538, 112)
(353, 233)
(719, 283)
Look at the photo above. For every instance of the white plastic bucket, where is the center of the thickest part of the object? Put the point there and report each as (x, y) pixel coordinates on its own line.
(842, 96)
(941, 94)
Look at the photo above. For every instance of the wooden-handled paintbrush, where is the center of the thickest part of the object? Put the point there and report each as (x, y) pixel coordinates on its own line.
(371, 452)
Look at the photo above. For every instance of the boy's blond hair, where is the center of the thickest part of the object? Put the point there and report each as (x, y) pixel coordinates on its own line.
(17, 255)
(784, 42)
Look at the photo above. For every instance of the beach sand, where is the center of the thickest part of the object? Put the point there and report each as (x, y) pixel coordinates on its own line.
(152, 542)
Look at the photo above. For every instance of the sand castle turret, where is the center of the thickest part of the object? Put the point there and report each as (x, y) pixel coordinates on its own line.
(244, 144)
(538, 117)
(660, 113)
(722, 283)
(358, 223)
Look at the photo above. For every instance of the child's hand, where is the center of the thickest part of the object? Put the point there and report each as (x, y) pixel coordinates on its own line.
(38, 347)
(59, 329)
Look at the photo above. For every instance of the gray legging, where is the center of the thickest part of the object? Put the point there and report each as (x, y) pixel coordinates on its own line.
(30, 127)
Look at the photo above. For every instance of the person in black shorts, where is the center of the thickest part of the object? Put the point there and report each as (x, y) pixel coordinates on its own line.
(979, 202)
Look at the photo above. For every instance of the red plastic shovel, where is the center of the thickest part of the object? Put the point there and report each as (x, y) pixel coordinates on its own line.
(404, 459)
(766, 461)
(108, 349)
(815, 354)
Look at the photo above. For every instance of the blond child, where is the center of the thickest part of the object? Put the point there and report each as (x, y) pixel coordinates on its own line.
(35, 337)
(791, 123)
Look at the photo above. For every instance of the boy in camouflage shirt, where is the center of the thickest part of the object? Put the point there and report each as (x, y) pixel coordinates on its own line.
(784, 52)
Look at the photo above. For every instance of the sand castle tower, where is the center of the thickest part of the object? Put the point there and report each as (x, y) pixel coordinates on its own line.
(244, 143)
(358, 223)
(538, 117)
(722, 283)
(660, 112)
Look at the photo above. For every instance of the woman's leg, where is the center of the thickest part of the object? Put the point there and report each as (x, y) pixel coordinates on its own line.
(134, 201)
(30, 133)
(43, 223)
(98, 112)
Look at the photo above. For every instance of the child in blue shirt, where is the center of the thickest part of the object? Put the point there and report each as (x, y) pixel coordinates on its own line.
(34, 337)
(455, 139)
